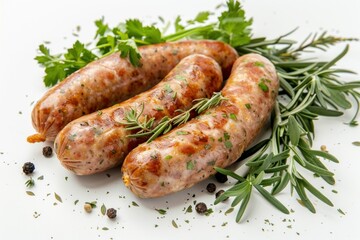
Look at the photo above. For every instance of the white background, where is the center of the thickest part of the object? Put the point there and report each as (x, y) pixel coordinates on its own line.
(26, 24)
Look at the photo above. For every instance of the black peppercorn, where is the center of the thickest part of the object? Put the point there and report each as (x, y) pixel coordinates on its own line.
(218, 194)
(211, 187)
(201, 207)
(111, 213)
(221, 178)
(47, 151)
(28, 168)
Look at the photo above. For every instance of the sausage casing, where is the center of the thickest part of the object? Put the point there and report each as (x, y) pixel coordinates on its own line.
(112, 79)
(98, 141)
(218, 137)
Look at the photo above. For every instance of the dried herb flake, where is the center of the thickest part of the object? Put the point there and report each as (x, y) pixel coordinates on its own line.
(341, 211)
(103, 209)
(182, 133)
(228, 144)
(209, 211)
(174, 224)
(263, 86)
(161, 211)
(190, 165)
(233, 116)
(57, 197)
(30, 193)
(229, 211)
(189, 209)
(30, 183)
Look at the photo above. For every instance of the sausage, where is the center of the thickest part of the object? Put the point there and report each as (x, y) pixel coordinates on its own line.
(112, 79)
(97, 142)
(187, 154)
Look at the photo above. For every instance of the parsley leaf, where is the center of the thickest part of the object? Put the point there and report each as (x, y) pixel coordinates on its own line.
(177, 25)
(129, 48)
(101, 27)
(234, 26)
(149, 34)
(57, 67)
(201, 17)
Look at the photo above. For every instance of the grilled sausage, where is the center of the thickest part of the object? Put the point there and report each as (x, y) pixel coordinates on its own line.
(188, 153)
(97, 142)
(112, 79)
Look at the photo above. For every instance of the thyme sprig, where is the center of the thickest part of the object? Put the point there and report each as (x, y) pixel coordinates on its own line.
(145, 125)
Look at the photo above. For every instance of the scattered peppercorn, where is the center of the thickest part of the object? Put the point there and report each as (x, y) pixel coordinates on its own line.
(218, 194)
(28, 168)
(201, 207)
(87, 207)
(221, 178)
(211, 187)
(47, 151)
(111, 213)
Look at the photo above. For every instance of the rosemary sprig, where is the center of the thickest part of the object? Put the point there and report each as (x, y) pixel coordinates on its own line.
(149, 128)
(312, 89)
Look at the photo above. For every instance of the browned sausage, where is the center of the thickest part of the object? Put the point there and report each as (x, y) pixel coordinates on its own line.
(112, 79)
(187, 154)
(96, 142)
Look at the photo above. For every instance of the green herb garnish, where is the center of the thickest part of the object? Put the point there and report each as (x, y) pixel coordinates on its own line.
(161, 211)
(30, 193)
(341, 211)
(145, 126)
(103, 209)
(57, 197)
(30, 183)
(230, 210)
(190, 165)
(174, 224)
(233, 116)
(189, 209)
(263, 86)
(182, 133)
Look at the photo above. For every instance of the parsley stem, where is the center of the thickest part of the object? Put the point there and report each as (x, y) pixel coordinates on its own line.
(188, 32)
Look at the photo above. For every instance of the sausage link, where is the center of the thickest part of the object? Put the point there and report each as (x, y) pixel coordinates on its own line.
(112, 79)
(97, 142)
(218, 137)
